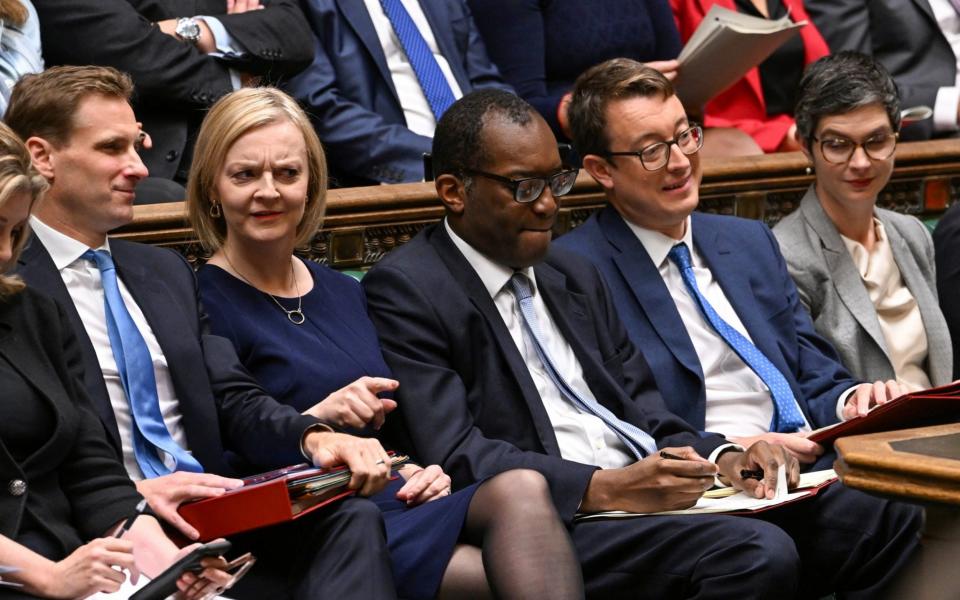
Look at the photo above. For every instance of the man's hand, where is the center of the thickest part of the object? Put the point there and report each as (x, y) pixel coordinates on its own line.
(356, 404)
(423, 484)
(235, 7)
(796, 444)
(165, 494)
(365, 457)
(868, 395)
(653, 484)
(212, 580)
(761, 456)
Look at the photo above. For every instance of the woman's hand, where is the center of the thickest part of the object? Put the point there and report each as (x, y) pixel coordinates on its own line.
(357, 404)
(423, 484)
(90, 569)
(212, 580)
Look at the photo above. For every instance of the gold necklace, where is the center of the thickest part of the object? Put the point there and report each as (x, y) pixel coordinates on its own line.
(296, 315)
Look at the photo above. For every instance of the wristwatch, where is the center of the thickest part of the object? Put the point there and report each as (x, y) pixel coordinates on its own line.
(188, 30)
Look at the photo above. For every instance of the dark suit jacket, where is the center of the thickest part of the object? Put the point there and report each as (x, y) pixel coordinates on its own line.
(466, 396)
(745, 259)
(75, 484)
(901, 34)
(350, 95)
(175, 83)
(222, 406)
(946, 241)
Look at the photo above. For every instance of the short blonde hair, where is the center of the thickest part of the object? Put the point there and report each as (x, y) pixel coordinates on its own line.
(233, 116)
(17, 176)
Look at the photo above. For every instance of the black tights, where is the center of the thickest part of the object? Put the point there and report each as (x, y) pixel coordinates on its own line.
(513, 544)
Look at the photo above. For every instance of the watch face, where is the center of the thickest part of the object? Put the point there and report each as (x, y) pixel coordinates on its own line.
(188, 29)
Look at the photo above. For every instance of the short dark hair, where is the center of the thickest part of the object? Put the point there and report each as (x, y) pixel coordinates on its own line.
(615, 79)
(457, 143)
(43, 104)
(842, 82)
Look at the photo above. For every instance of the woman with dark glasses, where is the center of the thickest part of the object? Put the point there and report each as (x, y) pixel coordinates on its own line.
(865, 273)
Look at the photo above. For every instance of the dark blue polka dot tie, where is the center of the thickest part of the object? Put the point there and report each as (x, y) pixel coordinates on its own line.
(786, 415)
(425, 66)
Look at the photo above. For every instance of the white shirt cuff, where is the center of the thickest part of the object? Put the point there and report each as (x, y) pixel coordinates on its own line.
(716, 454)
(945, 109)
(226, 46)
(842, 401)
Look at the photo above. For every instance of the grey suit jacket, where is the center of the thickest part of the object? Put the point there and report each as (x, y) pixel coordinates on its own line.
(901, 34)
(832, 290)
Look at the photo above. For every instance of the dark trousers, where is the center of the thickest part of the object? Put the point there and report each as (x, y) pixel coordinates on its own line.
(337, 552)
(849, 542)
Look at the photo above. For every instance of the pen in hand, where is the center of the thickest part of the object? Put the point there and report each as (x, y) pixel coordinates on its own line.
(142, 507)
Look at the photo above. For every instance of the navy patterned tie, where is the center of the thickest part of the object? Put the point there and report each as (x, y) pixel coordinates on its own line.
(425, 66)
(786, 415)
(638, 441)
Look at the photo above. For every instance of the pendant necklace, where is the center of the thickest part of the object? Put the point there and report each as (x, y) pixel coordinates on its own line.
(296, 315)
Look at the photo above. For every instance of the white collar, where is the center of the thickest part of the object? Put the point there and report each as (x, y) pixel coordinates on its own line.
(493, 275)
(657, 244)
(63, 249)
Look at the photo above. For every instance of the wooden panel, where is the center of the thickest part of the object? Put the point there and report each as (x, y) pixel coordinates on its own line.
(875, 463)
(363, 224)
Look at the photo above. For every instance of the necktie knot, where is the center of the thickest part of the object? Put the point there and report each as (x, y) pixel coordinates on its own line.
(680, 255)
(520, 285)
(101, 258)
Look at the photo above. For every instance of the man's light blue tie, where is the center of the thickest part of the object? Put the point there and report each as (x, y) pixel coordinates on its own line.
(638, 441)
(434, 84)
(136, 374)
(786, 414)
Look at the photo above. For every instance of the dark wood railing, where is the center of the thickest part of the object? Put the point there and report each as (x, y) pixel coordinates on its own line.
(363, 224)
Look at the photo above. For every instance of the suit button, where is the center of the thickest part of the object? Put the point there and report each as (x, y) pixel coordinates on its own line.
(172, 155)
(17, 487)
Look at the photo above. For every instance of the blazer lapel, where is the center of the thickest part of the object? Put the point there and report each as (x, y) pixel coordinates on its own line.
(843, 273)
(355, 12)
(438, 17)
(926, 9)
(938, 340)
(24, 359)
(470, 282)
(644, 280)
(41, 273)
(165, 321)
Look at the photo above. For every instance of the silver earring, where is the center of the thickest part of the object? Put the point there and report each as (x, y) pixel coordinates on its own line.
(215, 211)
(809, 170)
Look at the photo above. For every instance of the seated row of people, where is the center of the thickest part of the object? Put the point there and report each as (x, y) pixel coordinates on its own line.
(514, 371)
(376, 75)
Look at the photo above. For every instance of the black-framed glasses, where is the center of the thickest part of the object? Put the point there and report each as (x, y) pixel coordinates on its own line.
(656, 156)
(838, 150)
(528, 189)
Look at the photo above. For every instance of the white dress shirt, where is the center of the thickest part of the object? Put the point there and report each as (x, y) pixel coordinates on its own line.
(581, 437)
(82, 279)
(738, 402)
(416, 109)
(948, 97)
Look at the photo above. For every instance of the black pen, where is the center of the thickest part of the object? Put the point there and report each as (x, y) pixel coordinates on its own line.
(142, 507)
(751, 474)
(668, 456)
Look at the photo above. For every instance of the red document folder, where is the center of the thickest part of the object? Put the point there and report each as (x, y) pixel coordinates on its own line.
(927, 407)
(269, 498)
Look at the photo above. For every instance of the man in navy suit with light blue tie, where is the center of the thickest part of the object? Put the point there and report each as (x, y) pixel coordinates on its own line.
(383, 73)
(710, 304)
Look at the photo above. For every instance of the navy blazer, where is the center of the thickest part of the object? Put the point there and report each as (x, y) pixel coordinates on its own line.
(175, 82)
(745, 260)
(222, 405)
(350, 95)
(466, 396)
